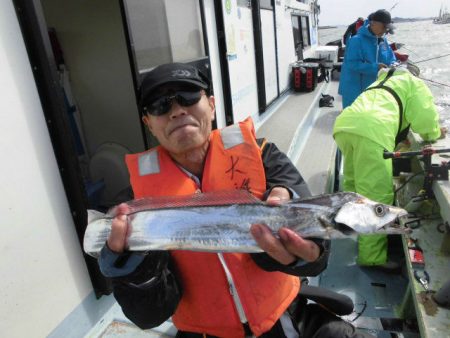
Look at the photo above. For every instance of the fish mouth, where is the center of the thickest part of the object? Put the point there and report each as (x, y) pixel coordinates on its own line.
(397, 226)
(402, 224)
(345, 229)
(398, 211)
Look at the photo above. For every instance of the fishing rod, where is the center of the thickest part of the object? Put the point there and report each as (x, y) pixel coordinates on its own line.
(433, 172)
(402, 46)
(425, 151)
(433, 82)
(417, 74)
(395, 5)
(436, 83)
(433, 58)
(410, 50)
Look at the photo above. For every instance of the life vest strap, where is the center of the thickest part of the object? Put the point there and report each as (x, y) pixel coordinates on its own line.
(401, 135)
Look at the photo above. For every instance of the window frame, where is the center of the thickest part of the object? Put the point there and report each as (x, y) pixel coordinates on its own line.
(301, 37)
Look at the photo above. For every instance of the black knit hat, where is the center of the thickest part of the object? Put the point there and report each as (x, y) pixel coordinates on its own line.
(384, 17)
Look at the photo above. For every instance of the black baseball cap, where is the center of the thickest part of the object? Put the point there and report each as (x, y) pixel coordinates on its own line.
(176, 73)
(384, 17)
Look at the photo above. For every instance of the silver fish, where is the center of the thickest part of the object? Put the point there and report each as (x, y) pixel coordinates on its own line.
(220, 221)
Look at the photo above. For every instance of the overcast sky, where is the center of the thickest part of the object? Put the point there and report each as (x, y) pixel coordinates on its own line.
(344, 12)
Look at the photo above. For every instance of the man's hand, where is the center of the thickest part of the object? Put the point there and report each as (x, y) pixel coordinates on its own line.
(290, 246)
(117, 240)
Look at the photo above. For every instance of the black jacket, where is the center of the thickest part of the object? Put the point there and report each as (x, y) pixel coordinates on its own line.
(351, 30)
(150, 295)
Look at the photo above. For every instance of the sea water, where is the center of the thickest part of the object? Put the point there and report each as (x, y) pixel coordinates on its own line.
(422, 40)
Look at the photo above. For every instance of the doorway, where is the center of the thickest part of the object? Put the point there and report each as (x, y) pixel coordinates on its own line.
(87, 82)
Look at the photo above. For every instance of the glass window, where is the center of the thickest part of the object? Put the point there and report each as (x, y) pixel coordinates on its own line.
(164, 31)
(296, 30)
(305, 30)
(300, 29)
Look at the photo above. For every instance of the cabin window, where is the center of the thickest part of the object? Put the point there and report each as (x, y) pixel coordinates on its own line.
(304, 26)
(300, 29)
(162, 31)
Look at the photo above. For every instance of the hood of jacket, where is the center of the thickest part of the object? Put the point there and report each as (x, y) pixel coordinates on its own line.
(365, 31)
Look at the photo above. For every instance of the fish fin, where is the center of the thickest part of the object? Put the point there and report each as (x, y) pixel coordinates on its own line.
(325, 222)
(226, 197)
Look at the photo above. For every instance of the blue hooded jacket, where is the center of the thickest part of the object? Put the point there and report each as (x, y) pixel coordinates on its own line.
(363, 53)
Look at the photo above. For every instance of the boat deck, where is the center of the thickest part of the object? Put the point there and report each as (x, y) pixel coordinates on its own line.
(303, 131)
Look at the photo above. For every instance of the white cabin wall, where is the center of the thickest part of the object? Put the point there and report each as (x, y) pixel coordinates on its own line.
(285, 42)
(238, 23)
(93, 41)
(214, 58)
(269, 54)
(43, 273)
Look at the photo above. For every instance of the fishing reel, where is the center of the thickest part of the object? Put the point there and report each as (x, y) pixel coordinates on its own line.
(432, 172)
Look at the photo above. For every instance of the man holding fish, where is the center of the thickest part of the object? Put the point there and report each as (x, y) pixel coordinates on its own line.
(210, 294)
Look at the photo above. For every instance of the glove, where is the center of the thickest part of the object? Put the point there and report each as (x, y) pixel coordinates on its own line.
(114, 264)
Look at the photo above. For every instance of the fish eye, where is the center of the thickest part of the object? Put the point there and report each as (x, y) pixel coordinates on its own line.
(380, 210)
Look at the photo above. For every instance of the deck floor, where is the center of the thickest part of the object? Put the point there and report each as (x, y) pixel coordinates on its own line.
(282, 126)
(303, 130)
(378, 295)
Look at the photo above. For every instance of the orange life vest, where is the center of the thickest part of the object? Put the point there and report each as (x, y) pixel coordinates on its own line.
(233, 162)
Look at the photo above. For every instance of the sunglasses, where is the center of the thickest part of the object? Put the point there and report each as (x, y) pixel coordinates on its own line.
(163, 104)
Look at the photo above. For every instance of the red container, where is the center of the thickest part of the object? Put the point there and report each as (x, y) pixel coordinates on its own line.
(304, 76)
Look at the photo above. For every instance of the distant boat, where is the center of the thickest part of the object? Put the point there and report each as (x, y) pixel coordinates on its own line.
(444, 16)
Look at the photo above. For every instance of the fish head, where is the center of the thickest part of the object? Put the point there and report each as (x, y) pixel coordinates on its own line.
(365, 216)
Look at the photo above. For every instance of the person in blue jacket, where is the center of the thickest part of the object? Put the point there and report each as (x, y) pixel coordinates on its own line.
(366, 53)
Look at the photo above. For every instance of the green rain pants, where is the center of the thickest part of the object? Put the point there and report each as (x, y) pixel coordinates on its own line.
(367, 173)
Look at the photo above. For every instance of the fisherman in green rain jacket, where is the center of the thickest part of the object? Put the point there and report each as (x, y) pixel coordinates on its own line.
(377, 121)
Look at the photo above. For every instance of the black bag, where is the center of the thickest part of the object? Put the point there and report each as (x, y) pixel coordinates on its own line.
(326, 101)
(323, 71)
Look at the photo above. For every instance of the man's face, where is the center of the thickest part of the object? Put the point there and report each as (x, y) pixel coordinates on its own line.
(378, 28)
(183, 127)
